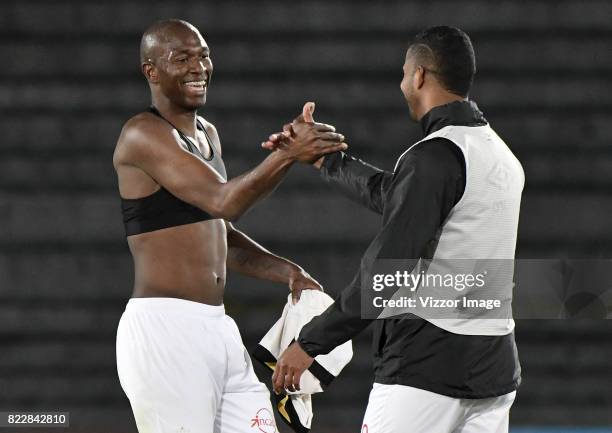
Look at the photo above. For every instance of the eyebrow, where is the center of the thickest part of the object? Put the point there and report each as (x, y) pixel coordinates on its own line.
(187, 50)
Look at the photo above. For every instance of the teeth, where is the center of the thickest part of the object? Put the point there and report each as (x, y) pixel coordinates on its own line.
(196, 83)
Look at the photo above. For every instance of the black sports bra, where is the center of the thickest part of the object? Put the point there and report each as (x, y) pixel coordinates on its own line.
(161, 209)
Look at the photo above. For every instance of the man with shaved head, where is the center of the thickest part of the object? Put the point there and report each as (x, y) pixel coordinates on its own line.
(180, 359)
(452, 199)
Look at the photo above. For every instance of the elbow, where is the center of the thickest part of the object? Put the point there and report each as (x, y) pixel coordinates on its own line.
(227, 211)
(224, 204)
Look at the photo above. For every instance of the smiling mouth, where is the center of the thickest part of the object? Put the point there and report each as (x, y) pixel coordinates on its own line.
(197, 84)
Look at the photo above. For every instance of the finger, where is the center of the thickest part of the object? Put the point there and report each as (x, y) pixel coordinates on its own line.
(278, 378)
(280, 135)
(274, 374)
(308, 111)
(287, 128)
(331, 136)
(289, 382)
(296, 380)
(277, 141)
(270, 145)
(324, 127)
(319, 162)
(277, 136)
(278, 373)
(331, 149)
(314, 286)
(322, 144)
(295, 295)
(306, 115)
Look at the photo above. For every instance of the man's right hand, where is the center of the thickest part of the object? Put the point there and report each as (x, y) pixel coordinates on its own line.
(306, 140)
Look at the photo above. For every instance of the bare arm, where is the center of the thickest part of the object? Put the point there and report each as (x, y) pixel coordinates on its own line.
(353, 177)
(247, 257)
(150, 145)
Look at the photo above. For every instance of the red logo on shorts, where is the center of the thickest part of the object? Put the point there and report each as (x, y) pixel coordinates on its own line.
(364, 429)
(264, 421)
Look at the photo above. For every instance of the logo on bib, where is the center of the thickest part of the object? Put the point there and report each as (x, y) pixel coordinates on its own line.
(264, 421)
(499, 177)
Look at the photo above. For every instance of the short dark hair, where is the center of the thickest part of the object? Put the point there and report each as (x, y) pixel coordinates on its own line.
(449, 52)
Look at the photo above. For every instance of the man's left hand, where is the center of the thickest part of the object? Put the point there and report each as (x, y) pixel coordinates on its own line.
(289, 368)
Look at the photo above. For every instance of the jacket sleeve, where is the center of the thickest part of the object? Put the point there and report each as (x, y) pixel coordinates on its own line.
(357, 179)
(426, 185)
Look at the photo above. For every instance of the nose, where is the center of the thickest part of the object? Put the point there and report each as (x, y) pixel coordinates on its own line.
(200, 65)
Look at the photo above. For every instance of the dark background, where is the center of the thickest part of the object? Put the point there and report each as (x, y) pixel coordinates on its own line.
(69, 79)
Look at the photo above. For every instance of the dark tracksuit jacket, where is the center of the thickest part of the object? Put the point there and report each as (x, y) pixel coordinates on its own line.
(409, 350)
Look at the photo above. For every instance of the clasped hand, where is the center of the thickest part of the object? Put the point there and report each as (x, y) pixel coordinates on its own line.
(304, 139)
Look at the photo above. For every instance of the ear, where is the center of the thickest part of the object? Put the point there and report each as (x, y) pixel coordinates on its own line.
(150, 72)
(418, 79)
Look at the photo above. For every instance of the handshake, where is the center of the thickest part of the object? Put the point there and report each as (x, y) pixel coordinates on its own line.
(306, 141)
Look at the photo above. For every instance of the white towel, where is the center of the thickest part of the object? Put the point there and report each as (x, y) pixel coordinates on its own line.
(295, 408)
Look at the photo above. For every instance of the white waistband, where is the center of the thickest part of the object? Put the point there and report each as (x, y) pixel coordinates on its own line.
(175, 305)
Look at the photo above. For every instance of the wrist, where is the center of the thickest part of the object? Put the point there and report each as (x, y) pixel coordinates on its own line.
(284, 156)
(295, 272)
(305, 348)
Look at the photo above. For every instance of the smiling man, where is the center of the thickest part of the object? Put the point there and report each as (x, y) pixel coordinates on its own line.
(180, 359)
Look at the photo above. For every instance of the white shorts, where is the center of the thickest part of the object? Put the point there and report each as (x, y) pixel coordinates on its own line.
(401, 409)
(184, 368)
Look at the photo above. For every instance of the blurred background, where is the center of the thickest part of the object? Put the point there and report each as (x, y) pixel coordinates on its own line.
(69, 79)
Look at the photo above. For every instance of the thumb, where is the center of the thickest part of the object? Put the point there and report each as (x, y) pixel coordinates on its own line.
(306, 115)
(307, 112)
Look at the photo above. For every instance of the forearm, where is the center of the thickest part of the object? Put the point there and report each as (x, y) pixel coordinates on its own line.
(249, 258)
(356, 179)
(242, 192)
(339, 323)
(431, 177)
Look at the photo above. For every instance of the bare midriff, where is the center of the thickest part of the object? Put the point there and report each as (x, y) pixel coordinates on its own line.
(185, 262)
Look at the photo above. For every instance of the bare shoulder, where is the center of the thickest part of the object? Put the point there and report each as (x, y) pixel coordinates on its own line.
(211, 130)
(137, 135)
